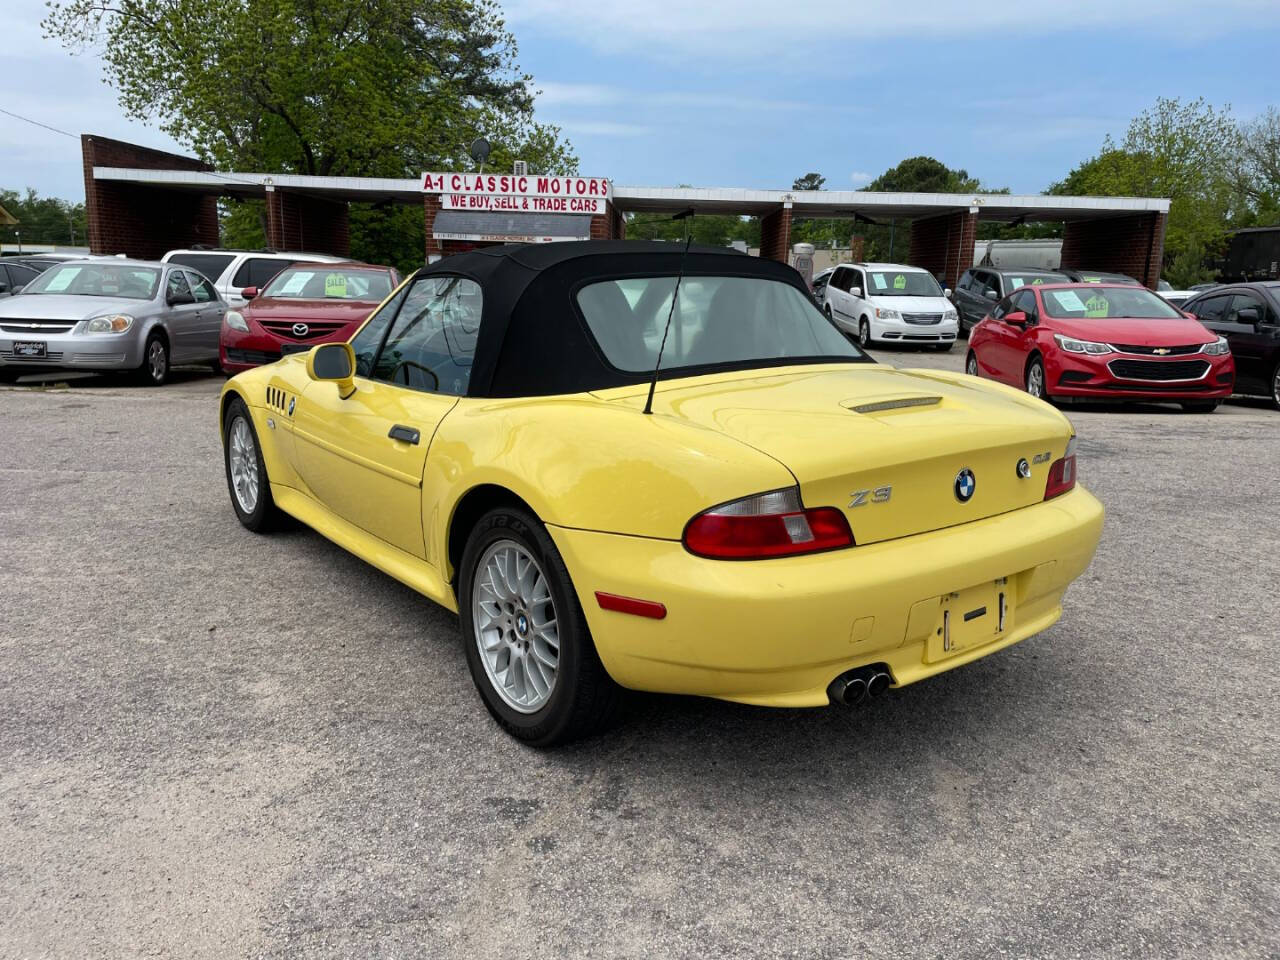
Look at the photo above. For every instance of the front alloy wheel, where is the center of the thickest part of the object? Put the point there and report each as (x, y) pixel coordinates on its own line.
(527, 643)
(246, 472)
(971, 364)
(1035, 379)
(1275, 386)
(155, 361)
(864, 332)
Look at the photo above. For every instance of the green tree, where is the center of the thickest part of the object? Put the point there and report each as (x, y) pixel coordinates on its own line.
(1185, 152)
(892, 241)
(44, 219)
(1256, 171)
(330, 87)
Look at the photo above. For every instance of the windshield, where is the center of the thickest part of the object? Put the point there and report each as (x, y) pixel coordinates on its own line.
(116, 280)
(303, 283)
(1098, 303)
(902, 283)
(716, 320)
(1016, 280)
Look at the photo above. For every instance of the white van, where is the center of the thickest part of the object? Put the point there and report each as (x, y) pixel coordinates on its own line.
(231, 271)
(890, 303)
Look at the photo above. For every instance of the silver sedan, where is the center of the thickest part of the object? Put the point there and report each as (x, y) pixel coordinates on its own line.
(111, 314)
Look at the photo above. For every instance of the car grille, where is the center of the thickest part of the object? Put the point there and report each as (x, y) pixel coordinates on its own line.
(315, 328)
(52, 356)
(922, 318)
(1161, 370)
(1163, 351)
(36, 326)
(251, 356)
(97, 358)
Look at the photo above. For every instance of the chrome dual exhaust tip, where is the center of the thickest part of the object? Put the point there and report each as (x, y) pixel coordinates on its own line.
(850, 689)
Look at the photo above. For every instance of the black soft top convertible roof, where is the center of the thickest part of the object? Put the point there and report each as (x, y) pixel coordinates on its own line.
(533, 339)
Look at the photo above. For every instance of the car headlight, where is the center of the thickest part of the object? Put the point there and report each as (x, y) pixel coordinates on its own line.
(109, 323)
(884, 313)
(1218, 348)
(949, 315)
(1072, 345)
(235, 320)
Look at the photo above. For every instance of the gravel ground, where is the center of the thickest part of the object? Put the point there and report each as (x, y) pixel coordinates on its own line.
(216, 744)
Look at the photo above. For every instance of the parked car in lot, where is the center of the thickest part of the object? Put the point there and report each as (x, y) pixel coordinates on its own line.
(980, 287)
(1096, 276)
(819, 286)
(1104, 341)
(14, 276)
(794, 525)
(110, 314)
(299, 307)
(1248, 315)
(230, 271)
(890, 303)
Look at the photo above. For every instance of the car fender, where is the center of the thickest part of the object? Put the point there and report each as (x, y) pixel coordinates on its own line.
(590, 464)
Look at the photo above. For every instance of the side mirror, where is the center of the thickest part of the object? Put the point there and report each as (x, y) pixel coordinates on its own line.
(17, 290)
(1016, 317)
(946, 292)
(991, 294)
(855, 291)
(1247, 315)
(249, 292)
(334, 363)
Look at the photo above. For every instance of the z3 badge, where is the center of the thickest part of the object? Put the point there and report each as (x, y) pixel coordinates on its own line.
(862, 497)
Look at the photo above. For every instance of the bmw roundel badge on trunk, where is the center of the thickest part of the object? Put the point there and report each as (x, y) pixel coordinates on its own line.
(965, 485)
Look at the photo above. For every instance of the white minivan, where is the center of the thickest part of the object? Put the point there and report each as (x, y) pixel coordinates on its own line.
(890, 303)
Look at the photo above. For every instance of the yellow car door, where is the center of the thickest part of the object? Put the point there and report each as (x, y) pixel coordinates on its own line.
(362, 455)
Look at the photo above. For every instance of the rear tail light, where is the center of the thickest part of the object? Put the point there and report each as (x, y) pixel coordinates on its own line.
(1062, 474)
(773, 524)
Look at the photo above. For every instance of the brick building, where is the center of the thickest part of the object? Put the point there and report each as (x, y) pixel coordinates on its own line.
(143, 202)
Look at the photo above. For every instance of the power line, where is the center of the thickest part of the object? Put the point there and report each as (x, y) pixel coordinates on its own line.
(37, 123)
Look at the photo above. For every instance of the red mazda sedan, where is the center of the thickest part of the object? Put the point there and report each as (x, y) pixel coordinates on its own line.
(1103, 341)
(302, 305)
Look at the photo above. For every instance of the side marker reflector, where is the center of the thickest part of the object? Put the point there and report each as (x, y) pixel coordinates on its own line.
(640, 608)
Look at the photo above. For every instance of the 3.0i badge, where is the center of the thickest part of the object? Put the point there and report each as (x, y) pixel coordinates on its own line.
(965, 484)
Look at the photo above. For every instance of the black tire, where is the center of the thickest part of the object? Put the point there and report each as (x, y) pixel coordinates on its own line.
(216, 366)
(265, 515)
(1206, 406)
(154, 370)
(1275, 386)
(864, 332)
(583, 699)
(971, 364)
(827, 311)
(1036, 364)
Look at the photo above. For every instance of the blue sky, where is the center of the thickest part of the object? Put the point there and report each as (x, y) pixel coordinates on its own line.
(722, 93)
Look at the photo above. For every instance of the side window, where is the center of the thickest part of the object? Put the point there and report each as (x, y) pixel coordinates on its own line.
(177, 288)
(991, 281)
(366, 342)
(20, 275)
(1211, 309)
(1001, 308)
(201, 288)
(4, 276)
(1025, 301)
(837, 279)
(256, 271)
(433, 340)
(856, 280)
(965, 279)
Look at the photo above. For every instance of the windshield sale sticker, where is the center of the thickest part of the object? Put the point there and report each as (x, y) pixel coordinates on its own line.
(878, 280)
(1096, 306)
(335, 285)
(899, 282)
(1068, 300)
(1015, 282)
(62, 279)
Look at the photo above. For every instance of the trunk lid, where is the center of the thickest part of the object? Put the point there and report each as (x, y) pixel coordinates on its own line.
(847, 433)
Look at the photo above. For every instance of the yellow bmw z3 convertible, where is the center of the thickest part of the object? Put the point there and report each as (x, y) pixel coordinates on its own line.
(772, 518)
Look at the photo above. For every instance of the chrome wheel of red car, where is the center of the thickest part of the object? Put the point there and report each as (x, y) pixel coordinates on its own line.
(971, 364)
(1035, 378)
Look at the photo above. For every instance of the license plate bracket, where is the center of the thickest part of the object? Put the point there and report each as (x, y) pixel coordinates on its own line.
(970, 618)
(30, 349)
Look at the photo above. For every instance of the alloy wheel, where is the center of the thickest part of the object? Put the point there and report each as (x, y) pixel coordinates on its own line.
(971, 365)
(1275, 386)
(157, 361)
(864, 333)
(1035, 380)
(244, 465)
(515, 627)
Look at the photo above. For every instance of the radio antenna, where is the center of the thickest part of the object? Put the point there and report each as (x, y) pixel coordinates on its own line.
(653, 384)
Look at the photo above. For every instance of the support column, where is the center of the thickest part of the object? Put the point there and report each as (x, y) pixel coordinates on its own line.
(430, 207)
(775, 234)
(608, 225)
(296, 222)
(943, 245)
(1131, 245)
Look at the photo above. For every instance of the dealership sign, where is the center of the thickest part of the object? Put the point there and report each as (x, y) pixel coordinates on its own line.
(509, 193)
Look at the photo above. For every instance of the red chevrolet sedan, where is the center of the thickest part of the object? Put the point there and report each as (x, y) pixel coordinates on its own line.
(302, 305)
(1103, 341)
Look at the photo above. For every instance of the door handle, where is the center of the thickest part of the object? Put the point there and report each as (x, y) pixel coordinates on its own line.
(407, 434)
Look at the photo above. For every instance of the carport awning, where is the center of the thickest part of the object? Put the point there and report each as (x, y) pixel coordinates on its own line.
(510, 227)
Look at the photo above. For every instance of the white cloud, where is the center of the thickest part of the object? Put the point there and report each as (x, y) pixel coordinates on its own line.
(858, 178)
(604, 128)
(556, 94)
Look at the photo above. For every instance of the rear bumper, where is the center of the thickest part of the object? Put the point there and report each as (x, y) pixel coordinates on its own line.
(1073, 375)
(777, 632)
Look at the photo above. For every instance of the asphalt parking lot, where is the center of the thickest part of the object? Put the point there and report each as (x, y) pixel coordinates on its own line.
(216, 744)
